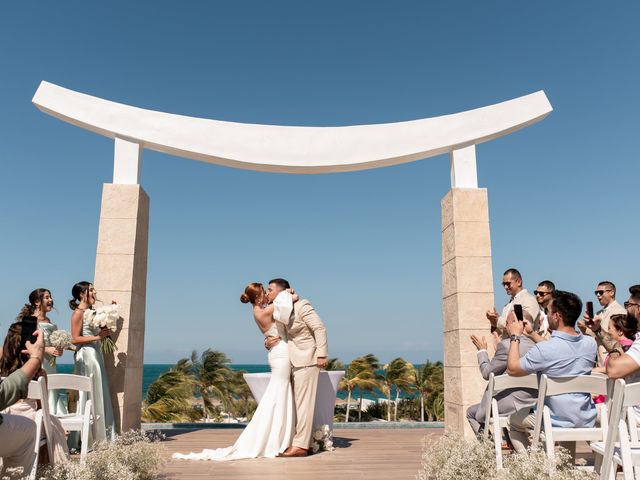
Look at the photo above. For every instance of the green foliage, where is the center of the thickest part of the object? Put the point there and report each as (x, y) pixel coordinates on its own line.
(170, 397)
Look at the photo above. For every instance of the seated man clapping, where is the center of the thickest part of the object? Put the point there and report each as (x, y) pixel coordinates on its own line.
(511, 400)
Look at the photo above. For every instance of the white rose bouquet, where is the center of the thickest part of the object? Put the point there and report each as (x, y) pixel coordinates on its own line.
(322, 439)
(106, 317)
(60, 339)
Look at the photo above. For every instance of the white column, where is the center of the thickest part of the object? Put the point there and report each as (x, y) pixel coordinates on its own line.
(127, 162)
(463, 168)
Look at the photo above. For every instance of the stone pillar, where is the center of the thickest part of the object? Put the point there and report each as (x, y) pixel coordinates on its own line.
(467, 292)
(121, 275)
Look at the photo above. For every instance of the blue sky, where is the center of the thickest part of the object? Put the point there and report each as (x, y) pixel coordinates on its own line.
(365, 246)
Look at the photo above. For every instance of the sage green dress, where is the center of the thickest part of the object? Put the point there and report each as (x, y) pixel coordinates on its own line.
(89, 360)
(57, 400)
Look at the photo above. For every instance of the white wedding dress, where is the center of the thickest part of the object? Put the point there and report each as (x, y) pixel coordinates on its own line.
(272, 427)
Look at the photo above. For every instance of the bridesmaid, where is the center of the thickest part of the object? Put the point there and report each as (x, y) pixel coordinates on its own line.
(41, 303)
(89, 359)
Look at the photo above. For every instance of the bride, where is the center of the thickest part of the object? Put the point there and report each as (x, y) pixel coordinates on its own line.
(272, 427)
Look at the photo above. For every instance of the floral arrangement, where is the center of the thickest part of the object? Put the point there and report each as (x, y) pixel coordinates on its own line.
(60, 339)
(132, 456)
(322, 439)
(105, 317)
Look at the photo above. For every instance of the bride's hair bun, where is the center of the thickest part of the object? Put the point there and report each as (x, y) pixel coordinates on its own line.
(252, 293)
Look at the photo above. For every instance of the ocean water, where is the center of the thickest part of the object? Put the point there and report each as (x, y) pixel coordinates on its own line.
(152, 371)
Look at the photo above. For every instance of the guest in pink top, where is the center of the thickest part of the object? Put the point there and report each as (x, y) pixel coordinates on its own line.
(623, 329)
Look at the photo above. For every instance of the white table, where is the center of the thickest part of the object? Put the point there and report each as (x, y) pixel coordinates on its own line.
(325, 396)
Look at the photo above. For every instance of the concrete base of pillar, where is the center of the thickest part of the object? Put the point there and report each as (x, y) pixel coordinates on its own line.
(121, 275)
(467, 292)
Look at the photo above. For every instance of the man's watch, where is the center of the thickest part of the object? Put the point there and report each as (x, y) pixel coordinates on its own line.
(515, 338)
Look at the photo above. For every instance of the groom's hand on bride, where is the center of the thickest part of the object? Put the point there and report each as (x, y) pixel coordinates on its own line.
(271, 342)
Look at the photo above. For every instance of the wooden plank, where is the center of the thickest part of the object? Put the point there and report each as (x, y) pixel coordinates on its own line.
(360, 454)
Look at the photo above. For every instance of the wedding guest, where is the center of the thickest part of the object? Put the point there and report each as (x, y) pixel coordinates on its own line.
(606, 294)
(543, 297)
(622, 329)
(509, 401)
(89, 360)
(567, 353)
(41, 303)
(13, 360)
(512, 283)
(18, 432)
(623, 364)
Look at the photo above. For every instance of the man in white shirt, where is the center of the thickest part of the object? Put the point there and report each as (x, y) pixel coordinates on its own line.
(606, 294)
(543, 296)
(512, 283)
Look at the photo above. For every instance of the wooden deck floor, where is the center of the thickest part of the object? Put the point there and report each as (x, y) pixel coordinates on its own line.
(360, 454)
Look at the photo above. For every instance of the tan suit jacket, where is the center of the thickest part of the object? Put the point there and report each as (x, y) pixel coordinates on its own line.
(307, 335)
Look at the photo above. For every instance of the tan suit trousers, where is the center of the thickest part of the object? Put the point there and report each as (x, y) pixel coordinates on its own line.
(17, 441)
(305, 385)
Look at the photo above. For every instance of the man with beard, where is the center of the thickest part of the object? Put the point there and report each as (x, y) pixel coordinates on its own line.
(621, 364)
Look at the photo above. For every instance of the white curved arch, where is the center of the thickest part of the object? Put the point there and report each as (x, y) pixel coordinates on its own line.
(285, 149)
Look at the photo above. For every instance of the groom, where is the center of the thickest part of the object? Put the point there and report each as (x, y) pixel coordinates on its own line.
(308, 354)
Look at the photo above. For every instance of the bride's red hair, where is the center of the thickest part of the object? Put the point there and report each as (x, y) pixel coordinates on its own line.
(252, 293)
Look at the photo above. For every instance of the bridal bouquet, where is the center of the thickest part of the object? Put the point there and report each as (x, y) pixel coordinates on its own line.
(106, 317)
(60, 339)
(322, 439)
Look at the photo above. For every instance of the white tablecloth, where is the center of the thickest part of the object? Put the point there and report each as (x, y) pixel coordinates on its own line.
(325, 397)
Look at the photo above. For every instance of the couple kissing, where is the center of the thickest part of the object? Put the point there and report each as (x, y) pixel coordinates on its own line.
(296, 340)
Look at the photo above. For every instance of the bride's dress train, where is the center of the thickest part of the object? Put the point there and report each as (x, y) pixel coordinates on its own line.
(272, 427)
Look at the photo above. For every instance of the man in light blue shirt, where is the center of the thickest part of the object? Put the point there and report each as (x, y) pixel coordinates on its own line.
(567, 353)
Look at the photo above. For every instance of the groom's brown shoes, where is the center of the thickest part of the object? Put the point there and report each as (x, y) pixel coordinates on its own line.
(295, 452)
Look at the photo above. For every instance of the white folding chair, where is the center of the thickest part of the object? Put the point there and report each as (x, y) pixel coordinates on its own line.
(38, 391)
(591, 384)
(78, 421)
(492, 418)
(621, 446)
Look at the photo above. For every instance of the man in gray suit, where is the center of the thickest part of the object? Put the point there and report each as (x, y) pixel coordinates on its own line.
(509, 401)
(308, 353)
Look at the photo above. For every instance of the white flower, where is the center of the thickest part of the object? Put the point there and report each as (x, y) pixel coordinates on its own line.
(315, 447)
(60, 339)
(328, 444)
(317, 435)
(325, 428)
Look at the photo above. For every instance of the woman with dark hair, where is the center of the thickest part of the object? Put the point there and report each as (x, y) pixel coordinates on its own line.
(89, 360)
(273, 425)
(12, 360)
(41, 303)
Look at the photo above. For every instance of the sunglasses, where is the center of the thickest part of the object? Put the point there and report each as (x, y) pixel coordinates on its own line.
(506, 284)
(628, 304)
(540, 294)
(599, 293)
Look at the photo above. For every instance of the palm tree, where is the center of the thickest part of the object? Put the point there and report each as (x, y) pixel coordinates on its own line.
(359, 374)
(169, 398)
(368, 384)
(242, 393)
(334, 364)
(427, 379)
(213, 378)
(398, 374)
(434, 404)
